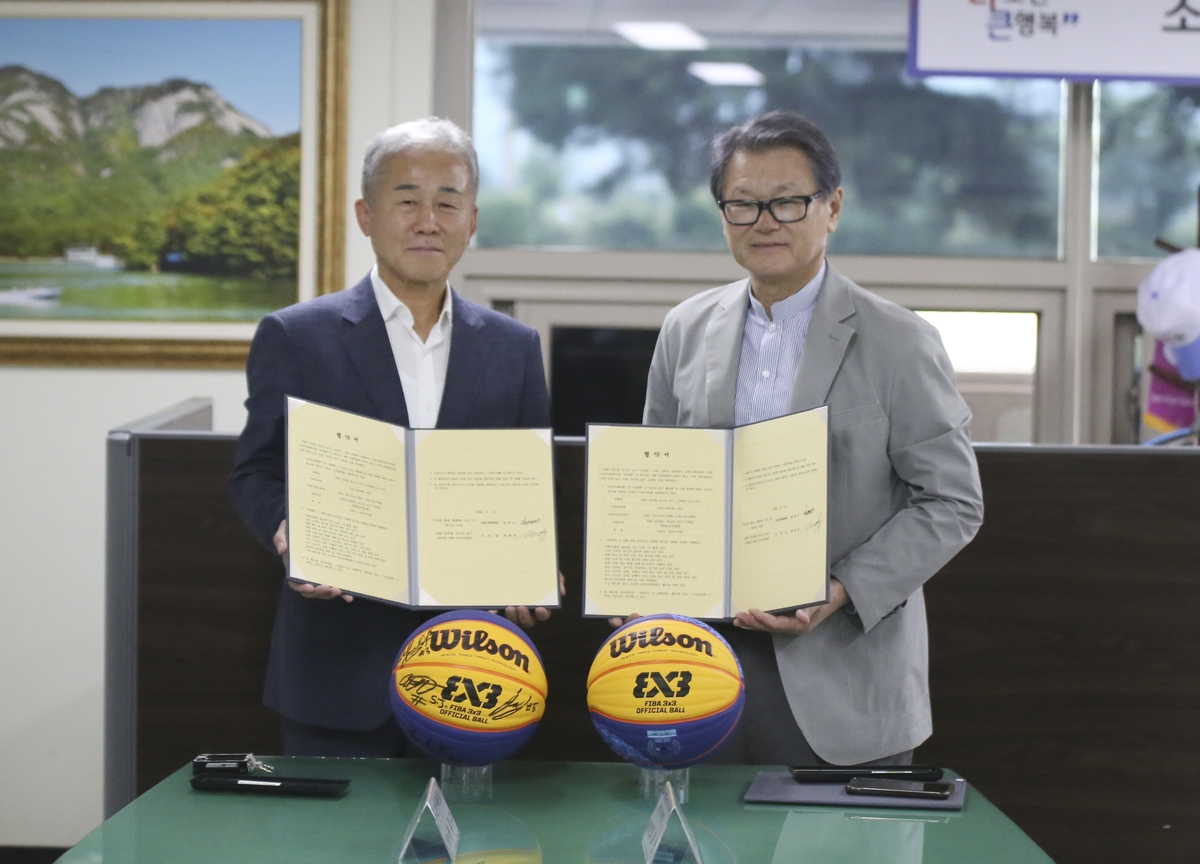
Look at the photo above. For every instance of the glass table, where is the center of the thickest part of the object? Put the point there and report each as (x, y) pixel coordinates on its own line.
(538, 812)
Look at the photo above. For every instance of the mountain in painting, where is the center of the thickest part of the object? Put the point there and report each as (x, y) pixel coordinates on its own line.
(132, 170)
(37, 110)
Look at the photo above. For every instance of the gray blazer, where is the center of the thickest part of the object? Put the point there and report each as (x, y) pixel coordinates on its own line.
(904, 495)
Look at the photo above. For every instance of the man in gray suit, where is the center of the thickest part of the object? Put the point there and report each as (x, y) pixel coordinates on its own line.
(845, 682)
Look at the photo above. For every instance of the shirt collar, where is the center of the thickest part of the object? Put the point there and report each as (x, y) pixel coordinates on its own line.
(791, 306)
(390, 305)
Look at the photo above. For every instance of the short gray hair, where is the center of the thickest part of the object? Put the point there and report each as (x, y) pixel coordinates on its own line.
(430, 133)
(772, 131)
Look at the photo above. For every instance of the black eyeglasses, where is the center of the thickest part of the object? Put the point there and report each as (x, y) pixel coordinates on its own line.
(793, 208)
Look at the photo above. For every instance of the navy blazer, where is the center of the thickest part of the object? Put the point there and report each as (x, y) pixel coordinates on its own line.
(330, 660)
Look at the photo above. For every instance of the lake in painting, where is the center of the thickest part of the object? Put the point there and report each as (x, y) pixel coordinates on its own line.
(57, 289)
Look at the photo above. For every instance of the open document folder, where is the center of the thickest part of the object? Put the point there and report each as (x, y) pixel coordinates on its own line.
(707, 522)
(429, 518)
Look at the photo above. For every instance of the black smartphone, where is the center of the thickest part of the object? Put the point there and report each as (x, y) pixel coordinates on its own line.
(899, 788)
(841, 774)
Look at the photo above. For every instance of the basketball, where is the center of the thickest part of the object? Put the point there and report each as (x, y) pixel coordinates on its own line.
(468, 688)
(665, 691)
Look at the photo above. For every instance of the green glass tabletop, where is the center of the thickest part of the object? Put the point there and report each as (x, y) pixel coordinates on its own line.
(538, 812)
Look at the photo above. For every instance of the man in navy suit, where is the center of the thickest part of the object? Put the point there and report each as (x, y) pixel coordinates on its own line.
(400, 346)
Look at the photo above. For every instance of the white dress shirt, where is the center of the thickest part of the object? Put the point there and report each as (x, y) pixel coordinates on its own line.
(771, 351)
(422, 365)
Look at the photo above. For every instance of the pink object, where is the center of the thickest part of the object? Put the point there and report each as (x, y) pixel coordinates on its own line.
(1169, 406)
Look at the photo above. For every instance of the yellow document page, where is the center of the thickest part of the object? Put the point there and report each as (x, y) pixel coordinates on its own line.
(347, 517)
(485, 517)
(780, 499)
(655, 521)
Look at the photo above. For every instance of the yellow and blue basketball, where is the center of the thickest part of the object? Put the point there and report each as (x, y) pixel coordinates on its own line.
(665, 691)
(468, 688)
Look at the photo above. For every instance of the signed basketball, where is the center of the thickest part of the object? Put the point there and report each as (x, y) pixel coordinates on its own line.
(468, 688)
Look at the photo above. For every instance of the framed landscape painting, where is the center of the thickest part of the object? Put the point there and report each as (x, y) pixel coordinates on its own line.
(170, 172)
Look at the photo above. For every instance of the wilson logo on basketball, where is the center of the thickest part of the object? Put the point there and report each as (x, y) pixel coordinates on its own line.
(654, 637)
(669, 685)
(476, 640)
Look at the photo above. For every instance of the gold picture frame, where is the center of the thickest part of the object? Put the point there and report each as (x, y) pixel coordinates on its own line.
(154, 351)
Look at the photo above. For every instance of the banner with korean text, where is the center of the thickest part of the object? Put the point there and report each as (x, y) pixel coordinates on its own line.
(1156, 40)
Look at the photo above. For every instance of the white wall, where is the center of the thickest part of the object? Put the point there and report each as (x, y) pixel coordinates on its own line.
(52, 493)
(52, 473)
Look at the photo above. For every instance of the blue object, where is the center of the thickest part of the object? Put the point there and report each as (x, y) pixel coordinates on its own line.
(1167, 437)
(454, 743)
(1187, 360)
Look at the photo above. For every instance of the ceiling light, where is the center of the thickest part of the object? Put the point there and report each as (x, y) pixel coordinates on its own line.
(661, 35)
(727, 74)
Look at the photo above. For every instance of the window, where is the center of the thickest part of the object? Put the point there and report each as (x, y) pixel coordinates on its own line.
(590, 144)
(995, 357)
(1149, 167)
(606, 146)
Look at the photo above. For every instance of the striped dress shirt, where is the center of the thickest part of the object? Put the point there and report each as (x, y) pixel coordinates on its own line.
(771, 350)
